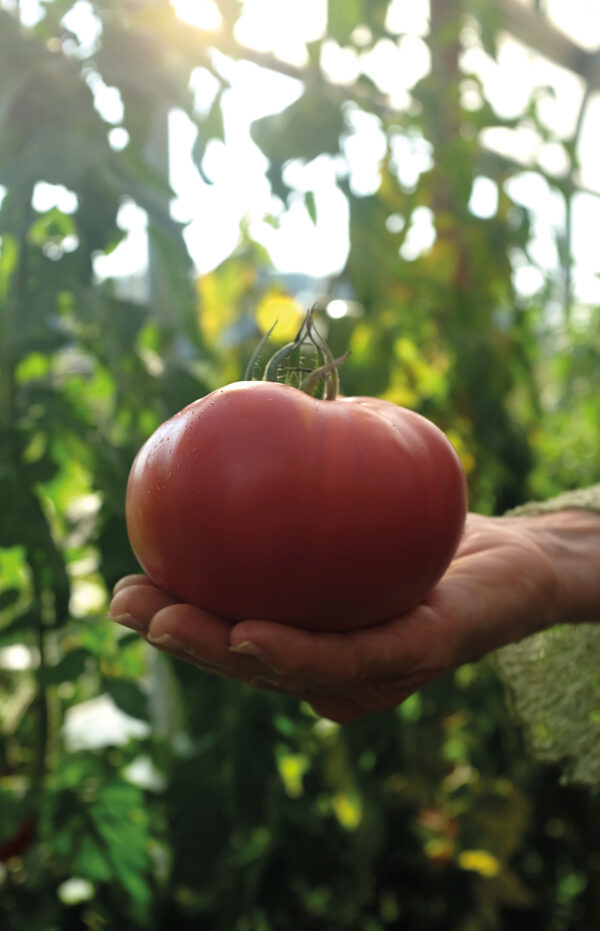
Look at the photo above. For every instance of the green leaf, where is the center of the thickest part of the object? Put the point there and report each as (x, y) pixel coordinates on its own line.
(311, 206)
(308, 128)
(8, 597)
(343, 16)
(17, 629)
(43, 470)
(128, 696)
(52, 225)
(69, 668)
(211, 127)
(121, 820)
(91, 861)
(174, 296)
(9, 256)
(59, 161)
(13, 564)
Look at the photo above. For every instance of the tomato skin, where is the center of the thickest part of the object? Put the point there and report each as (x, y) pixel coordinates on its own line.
(259, 501)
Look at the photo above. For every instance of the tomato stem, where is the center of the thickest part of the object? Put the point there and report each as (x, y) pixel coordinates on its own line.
(329, 372)
(279, 367)
(275, 362)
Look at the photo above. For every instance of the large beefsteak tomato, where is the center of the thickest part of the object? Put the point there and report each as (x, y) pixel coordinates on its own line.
(260, 501)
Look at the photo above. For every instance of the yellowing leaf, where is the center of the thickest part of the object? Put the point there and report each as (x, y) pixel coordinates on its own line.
(348, 810)
(361, 342)
(281, 308)
(401, 395)
(480, 861)
(406, 350)
(216, 313)
(466, 457)
(292, 767)
(221, 294)
(439, 849)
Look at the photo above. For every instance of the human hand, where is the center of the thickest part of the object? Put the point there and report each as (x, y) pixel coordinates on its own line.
(501, 586)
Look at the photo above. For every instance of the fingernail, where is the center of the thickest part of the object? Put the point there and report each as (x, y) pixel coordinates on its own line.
(247, 648)
(128, 620)
(169, 642)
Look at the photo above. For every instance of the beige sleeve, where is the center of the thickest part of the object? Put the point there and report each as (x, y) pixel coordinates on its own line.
(553, 678)
(587, 499)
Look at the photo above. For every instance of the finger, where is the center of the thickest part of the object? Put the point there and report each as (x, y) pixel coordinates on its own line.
(135, 605)
(297, 654)
(131, 580)
(186, 658)
(200, 637)
(389, 650)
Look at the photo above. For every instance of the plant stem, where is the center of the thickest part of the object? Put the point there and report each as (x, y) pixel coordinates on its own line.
(16, 299)
(41, 748)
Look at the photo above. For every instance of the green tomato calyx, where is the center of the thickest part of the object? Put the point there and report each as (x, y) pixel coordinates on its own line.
(291, 366)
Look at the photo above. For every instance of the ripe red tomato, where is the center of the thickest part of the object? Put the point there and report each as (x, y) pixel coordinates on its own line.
(260, 501)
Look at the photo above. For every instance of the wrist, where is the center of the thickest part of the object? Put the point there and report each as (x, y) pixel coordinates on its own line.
(570, 541)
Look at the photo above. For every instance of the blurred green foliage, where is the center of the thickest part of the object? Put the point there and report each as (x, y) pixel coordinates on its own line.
(201, 804)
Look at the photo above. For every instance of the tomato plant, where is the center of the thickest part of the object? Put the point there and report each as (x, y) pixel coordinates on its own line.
(262, 501)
